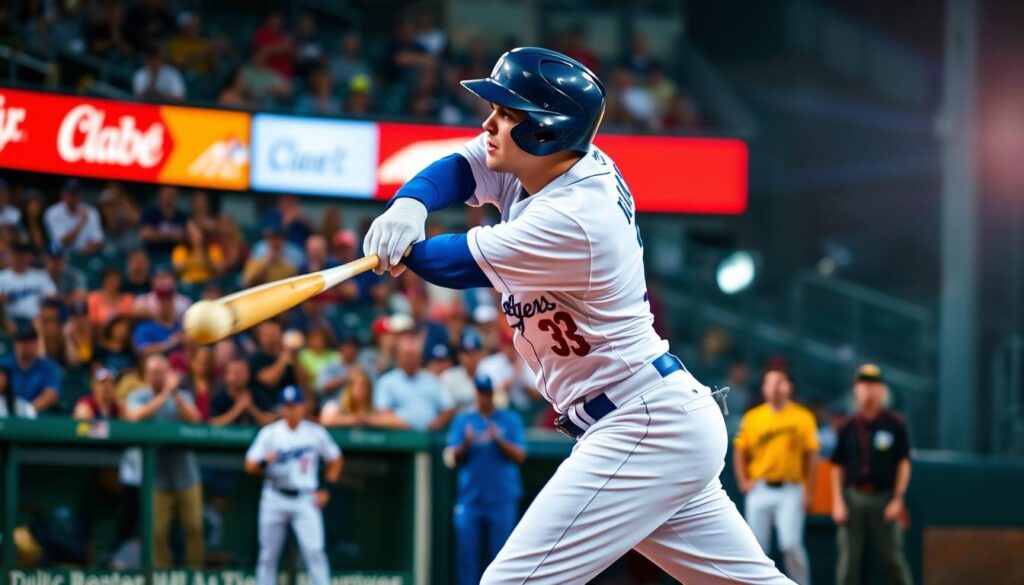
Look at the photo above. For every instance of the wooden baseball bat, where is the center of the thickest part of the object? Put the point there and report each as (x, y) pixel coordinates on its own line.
(210, 321)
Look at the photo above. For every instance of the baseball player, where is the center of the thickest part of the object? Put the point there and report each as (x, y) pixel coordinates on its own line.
(568, 260)
(775, 454)
(287, 453)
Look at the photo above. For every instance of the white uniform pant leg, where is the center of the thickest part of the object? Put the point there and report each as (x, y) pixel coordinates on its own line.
(274, 516)
(789, 522)
(707, 543)
(629, 474)
(308, 524)
(759, 512)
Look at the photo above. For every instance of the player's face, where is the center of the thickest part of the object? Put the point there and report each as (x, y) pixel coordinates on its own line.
(293, 413)
(503, 154)
(869, 395)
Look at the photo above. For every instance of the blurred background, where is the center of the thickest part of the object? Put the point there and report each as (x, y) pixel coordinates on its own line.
(820, 184)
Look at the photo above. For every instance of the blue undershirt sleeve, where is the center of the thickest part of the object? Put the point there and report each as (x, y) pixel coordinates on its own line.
(445, 182)
(446, 261)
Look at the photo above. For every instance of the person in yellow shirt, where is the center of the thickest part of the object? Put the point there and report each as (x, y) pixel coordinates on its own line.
(197, 260)
(775, 454)
(271, 266)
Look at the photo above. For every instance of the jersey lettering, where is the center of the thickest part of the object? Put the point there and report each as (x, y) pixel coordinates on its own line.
(562, 325)
(521, 311)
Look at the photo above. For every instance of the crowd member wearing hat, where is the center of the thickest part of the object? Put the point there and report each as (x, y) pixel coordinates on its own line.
(178, 489)
(100, 404)
(486, 445)
(22, 287)
(272, 265)
(163, 285)
(438, 358)
(73, 224)
(69, 280)
(457, 381)
(34, 378)
(870, 475)
(162, 332)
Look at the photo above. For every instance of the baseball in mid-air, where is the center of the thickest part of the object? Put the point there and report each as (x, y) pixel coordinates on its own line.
(207, 322)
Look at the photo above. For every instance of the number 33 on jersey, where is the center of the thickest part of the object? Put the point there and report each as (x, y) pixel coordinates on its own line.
(568, 261)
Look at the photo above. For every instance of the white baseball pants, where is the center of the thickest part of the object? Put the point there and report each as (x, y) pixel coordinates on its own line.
(783, 508)
(277, 513)
(646, 477)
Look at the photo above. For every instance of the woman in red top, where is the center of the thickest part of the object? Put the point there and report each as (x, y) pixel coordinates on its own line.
(101, 403)
(201, 380)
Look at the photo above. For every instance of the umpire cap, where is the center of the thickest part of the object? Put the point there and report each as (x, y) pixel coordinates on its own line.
(563, 100)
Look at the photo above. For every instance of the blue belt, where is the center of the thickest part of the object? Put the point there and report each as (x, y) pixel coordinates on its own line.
(599, 406)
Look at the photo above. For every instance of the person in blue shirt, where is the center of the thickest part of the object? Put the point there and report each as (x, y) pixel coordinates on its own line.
(35, 379)
(487, 445)
(161, 334)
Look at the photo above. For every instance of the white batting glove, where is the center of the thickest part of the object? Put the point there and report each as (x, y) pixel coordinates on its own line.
(393, 231)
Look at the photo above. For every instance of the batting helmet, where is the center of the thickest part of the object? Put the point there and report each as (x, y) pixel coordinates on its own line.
(562, 99)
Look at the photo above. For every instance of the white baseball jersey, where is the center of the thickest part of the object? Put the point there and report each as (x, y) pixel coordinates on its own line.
(568, 261)
(299, 452)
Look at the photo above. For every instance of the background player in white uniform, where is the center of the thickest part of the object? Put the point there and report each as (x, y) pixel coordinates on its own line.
(568, 260)
(288, 454)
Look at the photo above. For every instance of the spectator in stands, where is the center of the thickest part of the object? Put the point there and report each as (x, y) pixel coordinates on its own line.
(200, 211)
(870, 476)
(309, 49)
(201, 380)
(137, 273)
(680, 113)
(114, 349)
(352, 406)
(635, 107)
(317, 256)
(288, 215)
(100, 404)
(273, 265)
(50, 325)
(271, 365)
(408, 397)
(318, 353)
(577, 48)
(103, 31)
(160, 334)
(158, 80)
(431, 37)
(639, 59)
(9, 214)
(79, 337)
(457, 382)
(34, 378)
(407, 62)
(349, 63)
(10, 402)
(439, 360)
(334, 375)
(178, 491)
(234, 92)
(233, 404)
(73, 224)
(265, 85)
(189, 50)
(8, 237)
(274, 44)
(22, 287)
(119, 216)
(197, 260)
(109, 300)
(487, 445)
(163, 225)
(513, 379)
(147, 21)
(32, 220)
(231, 242)
(319, 98)
(69, 280)
(148, 304)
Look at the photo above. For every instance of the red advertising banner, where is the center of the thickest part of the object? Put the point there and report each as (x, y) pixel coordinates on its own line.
(665, 174)
(120, 140)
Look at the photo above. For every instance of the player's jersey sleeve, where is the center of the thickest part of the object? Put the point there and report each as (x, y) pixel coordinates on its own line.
(457, 431)
(514, 431)
(491, 186)
(326, 447)
(260, 446)
(542, 249)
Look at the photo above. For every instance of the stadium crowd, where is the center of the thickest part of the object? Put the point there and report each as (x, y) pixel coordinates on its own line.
(312, 63)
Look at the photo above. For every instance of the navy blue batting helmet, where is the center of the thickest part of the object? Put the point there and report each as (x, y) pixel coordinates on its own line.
(562, 99)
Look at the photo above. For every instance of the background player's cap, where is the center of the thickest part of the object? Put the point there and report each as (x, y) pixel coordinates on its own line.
(483, 384)
(869, 373)
(563, 99)
(470, 341)
(291, 395)
(439, 351)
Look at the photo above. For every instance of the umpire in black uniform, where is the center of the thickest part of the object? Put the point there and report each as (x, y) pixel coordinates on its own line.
(870, 474)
